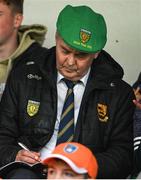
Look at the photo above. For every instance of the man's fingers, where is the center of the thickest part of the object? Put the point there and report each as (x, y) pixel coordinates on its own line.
(28, 156)
(138, 104)
(137, 93)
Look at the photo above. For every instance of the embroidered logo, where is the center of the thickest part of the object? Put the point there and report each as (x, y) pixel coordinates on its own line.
(85, 35)
(70, 148)
(32, 107)
(34, 76)
(102, 112)
(30, 63)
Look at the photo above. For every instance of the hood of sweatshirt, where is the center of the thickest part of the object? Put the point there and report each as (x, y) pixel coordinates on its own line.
(28, 34)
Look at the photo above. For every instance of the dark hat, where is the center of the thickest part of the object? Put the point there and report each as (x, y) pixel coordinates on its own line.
(82, 28)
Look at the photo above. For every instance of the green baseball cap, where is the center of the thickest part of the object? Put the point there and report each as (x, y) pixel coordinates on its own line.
(82, 29)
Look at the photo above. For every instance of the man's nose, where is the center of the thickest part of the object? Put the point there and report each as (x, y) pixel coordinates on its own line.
(71, 60)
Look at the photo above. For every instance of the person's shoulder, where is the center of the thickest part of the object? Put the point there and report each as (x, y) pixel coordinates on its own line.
(35, 51)
(126, 85)
(35, 55)
(124, 89)
(115, 72)
(32, 61)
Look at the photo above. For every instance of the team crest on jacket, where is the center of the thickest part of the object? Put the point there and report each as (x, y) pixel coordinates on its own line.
(32, 107)
(85, 35)
(102, 112)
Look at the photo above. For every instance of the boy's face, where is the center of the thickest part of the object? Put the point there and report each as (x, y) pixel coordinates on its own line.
(9, 23)
(58, 169)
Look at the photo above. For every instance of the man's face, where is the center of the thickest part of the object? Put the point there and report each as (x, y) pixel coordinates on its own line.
(72, 64)
(9, 22)
(58, 169)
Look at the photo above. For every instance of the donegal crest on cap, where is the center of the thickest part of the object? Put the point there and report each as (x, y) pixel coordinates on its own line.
(82, 28)
(85, 35)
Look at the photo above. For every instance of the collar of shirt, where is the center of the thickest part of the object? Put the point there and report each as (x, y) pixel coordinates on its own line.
(83, 79)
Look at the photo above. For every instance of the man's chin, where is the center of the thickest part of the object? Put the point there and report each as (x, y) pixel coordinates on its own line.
(71, 77)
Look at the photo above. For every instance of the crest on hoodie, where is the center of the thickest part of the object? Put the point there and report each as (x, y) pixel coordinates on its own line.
(32, 107)
(102, 112)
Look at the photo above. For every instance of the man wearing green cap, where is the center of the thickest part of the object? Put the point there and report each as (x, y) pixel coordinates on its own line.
(98, 108)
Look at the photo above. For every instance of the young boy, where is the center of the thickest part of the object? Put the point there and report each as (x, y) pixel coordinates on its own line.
(71, 160)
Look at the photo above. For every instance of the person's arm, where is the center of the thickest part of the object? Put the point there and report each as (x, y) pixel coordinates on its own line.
(137, 101)
(10, 132)
(137, 160)
(137, 131)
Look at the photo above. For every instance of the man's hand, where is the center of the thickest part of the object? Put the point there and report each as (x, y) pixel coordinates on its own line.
(137, 93)
(28, 156)
(137, 101)
(138, 104)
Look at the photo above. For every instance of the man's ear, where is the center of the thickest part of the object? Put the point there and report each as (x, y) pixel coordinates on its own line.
(18, 20)
(96, 55)
(56, 35)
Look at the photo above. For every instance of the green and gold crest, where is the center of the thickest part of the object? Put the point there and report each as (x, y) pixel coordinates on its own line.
(85, 35)
(32, 107)
(102, 112)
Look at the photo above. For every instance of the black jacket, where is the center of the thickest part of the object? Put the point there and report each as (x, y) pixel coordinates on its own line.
(105, 119)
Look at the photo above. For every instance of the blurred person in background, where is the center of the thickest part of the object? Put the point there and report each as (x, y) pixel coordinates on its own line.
(137, 127)
(17, 42)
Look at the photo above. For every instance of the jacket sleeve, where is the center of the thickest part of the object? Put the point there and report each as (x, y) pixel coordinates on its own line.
(117, 159)
(137, 161)
(9, 132)
(137, 141)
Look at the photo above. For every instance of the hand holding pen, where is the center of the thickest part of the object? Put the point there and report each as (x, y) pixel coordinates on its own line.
(27, 156)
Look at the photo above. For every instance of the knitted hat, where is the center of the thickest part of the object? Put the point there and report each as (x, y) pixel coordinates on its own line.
(77, 156)
(82, 28)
